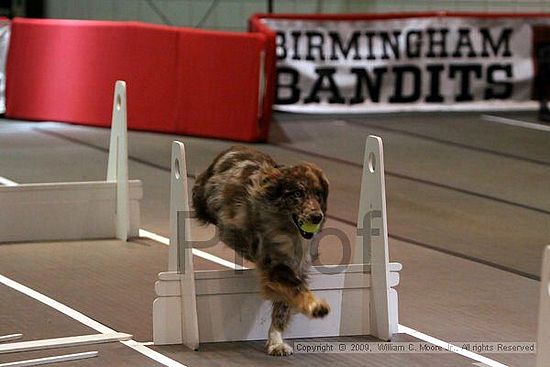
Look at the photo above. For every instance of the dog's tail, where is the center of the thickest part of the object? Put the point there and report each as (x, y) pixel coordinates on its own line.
(200, 203)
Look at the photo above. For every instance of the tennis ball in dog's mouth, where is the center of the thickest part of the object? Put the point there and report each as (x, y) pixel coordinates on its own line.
(310, 227)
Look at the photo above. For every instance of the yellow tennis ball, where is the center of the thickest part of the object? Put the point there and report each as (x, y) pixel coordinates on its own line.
(310, 227)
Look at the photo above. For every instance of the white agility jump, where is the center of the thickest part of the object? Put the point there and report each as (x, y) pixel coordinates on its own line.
(78, 210)
(213, 306)
(543, 340)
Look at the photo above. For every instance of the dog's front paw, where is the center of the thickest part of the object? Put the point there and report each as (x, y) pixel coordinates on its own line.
(320, 309)
(279, 349)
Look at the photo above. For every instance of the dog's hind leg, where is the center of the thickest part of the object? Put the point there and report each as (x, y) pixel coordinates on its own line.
(280, 317)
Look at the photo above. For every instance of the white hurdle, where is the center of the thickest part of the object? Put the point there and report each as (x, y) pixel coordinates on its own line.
(117, 166)
(225, 305)
(78, 210)
(175, 314)
(372, 239)
(543, 340)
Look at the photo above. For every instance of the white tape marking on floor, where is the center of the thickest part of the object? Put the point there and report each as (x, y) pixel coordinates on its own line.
(83, 319)
(56, 305)
(7, 182)
(514, 122)
(48, 360)
(71, 341)
(451, 348)
(160, 358)
(7, 338)
(196, 252)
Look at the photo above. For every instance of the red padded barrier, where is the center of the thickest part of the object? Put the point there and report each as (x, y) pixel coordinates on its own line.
(220, 73)
(270, 69)
(65, 70)
(179, 80)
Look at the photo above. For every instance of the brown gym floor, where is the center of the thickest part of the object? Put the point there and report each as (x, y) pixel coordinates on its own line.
(468, 212)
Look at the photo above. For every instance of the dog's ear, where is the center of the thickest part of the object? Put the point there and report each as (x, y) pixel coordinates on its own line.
(324, 184)
(270, 175)
(322, 189)
(271, 183)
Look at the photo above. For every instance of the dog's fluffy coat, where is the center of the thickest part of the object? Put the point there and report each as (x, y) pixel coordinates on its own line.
(258, 207)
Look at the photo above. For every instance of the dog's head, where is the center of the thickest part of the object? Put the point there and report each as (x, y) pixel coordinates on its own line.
(299, 192)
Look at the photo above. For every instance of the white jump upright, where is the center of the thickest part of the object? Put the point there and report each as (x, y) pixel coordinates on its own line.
(225, 305)
(372, 238)
(117, 167)
(78, 210)
(543, 340)
(175, 314)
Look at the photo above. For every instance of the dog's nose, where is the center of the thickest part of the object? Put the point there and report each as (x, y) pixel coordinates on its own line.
(316, 218)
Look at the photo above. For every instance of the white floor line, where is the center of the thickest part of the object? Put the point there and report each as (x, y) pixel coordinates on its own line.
(49, 360)
(83, 319)
(196, 252)
(7, 182)
(514, 122)
(451, 348)
(7, 338)
(56, 305)
(70, 341)
(160, 358)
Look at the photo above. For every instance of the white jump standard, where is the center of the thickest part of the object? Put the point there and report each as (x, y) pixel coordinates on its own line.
(225, 305)
(543, 341)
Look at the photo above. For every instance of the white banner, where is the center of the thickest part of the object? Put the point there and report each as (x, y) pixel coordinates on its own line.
(431, 63)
